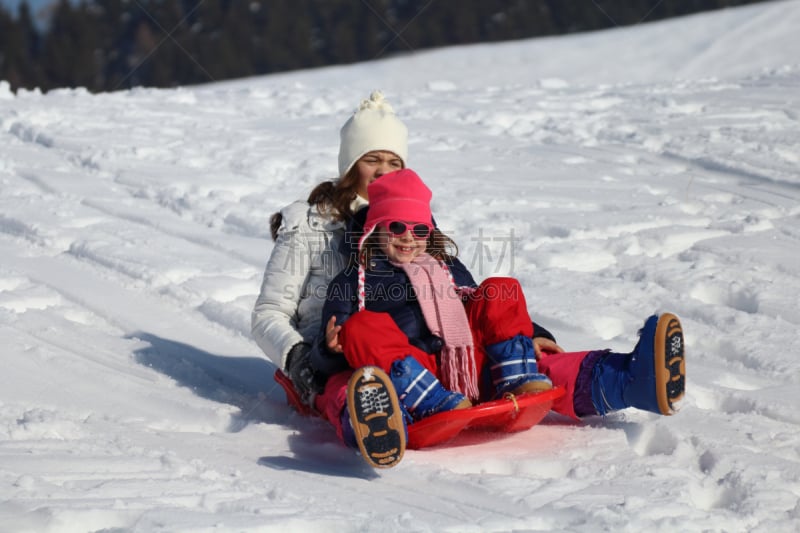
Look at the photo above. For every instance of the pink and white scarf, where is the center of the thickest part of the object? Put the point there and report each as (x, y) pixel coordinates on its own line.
(446, 317)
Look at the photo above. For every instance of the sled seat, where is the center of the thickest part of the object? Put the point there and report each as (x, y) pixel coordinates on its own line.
(506, 415)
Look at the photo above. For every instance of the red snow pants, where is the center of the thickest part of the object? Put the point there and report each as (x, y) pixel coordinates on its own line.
(497, 311)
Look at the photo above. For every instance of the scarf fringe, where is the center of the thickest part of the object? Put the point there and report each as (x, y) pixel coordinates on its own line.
(459, 372)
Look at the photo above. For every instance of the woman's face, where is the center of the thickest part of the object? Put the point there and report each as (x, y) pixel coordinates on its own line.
(401, 248)
(372, 166)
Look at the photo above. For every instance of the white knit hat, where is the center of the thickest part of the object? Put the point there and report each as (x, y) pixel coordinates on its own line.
(373, 126)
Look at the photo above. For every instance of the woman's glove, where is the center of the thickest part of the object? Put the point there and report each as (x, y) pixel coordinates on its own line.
(298, 364)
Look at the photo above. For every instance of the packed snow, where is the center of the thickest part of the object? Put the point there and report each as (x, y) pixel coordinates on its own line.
(614, 173)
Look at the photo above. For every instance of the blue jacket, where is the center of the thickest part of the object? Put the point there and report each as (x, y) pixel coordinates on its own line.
(387, 290)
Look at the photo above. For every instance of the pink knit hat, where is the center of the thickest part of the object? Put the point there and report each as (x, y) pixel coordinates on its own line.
(399, 195)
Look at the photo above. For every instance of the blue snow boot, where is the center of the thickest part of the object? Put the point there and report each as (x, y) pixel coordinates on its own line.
(421, 393)
(652, 377)
(375, 422)
(512, 367)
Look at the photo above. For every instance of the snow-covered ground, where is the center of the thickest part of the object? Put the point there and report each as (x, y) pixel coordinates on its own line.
(615, 173)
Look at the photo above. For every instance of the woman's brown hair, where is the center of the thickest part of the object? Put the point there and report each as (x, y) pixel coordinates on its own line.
(332, 196)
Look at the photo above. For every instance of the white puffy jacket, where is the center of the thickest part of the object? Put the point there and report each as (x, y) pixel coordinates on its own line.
(303, 262)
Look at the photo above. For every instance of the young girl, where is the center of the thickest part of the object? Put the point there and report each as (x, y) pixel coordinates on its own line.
(421, 314)
(410, 314)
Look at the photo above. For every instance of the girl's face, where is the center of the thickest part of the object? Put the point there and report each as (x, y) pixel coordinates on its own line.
(372, 166)
(402, 248)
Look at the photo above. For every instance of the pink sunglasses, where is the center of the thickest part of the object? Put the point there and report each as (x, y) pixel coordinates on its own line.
(419, 230)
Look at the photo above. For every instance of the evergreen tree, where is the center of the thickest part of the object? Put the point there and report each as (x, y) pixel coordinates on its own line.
(68, 53)
(114, 44)
(19, 49)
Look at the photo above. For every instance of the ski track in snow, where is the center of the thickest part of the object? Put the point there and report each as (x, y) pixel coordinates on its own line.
(134, 232)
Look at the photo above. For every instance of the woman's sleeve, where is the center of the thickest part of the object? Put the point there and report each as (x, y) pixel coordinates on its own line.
(539, 331)
(274, 317)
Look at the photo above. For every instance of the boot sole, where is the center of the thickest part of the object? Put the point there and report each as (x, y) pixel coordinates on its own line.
(376, 417)
(670, 363)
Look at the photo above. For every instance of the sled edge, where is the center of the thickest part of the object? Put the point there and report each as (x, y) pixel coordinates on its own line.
(506, 415)
(292, 397)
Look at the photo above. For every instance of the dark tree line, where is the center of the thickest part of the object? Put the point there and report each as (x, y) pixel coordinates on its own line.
(106, 45)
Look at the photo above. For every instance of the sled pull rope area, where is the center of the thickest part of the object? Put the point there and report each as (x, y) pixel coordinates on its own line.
(513, 398)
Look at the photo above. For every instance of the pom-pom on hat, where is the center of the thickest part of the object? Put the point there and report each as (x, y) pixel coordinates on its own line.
(373, 126)
(399, 195)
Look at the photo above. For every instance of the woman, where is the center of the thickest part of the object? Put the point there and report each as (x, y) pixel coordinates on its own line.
(311, 248)
(310, 236)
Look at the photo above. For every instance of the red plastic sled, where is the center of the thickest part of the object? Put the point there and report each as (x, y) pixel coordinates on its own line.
(509, 414)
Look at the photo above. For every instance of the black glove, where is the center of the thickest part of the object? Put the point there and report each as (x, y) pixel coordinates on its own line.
(298, 364)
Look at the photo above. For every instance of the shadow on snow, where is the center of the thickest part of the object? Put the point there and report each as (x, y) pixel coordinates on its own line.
(245, 382)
